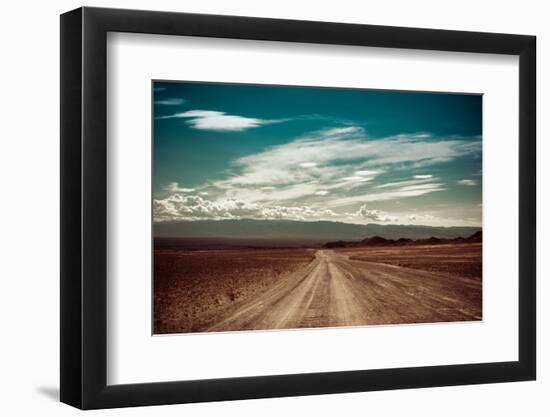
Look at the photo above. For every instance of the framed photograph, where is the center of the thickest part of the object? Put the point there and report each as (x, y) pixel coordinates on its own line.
(257, 208)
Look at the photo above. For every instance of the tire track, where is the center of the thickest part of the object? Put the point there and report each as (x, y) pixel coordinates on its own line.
(335, 291)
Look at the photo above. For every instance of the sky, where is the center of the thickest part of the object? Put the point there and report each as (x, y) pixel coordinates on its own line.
(237, 151)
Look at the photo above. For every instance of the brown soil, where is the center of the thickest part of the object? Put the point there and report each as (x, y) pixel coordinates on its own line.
(463, 259)
(223, 290)
(191, 289)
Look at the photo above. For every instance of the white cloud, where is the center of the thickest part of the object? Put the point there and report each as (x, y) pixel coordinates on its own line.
(331, 149)
(343, 161)
(340, 132)
(265, 194)
(375, 215)
(387, 195)
(467, 182)
(175, 188)
(282, 181)
(356, 178)
(170, 101)
(418, 187)
(402, 183)
(423, 218)
(363, 173)
(180, 207)
(191, 207)
(217, 120)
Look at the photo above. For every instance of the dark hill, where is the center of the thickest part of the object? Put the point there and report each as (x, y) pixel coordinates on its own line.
(380, 241)
(404, 241)
(476, 237)
(431, 241)
(338, 244)
(376, 241)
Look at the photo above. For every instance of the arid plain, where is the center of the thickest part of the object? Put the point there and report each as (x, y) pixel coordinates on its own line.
(381, 282)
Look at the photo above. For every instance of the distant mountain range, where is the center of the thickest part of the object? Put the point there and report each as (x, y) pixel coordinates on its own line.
(477, 237)
(298, 230)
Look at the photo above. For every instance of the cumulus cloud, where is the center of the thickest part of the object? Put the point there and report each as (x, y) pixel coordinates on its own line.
(217, 120)
(467, 182)
(374, 215)
(192, 207)
(170, 102)
(421, 217)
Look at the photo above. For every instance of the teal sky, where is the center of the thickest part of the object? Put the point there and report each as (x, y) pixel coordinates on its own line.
(231, 151)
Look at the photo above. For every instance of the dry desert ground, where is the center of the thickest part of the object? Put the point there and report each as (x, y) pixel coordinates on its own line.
(262, 288)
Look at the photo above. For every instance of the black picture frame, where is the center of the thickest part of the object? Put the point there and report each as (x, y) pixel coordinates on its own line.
(84, 207)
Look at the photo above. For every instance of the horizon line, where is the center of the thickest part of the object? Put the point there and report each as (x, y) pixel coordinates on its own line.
(304, 221)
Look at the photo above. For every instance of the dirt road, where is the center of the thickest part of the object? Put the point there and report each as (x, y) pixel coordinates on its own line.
(336, 291)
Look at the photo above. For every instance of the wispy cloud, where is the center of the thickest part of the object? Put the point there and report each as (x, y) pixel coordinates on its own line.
(337, 173)
(404, 183)
(170, 102)
(398, 193)
(217, 120)
(342, 159)
(174, 187)
(356, 178)
(470, 183)
(420, 217)
(363, 173)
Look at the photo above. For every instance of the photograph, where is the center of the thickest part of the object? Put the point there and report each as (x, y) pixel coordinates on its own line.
(268, 204)
(295, 207)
